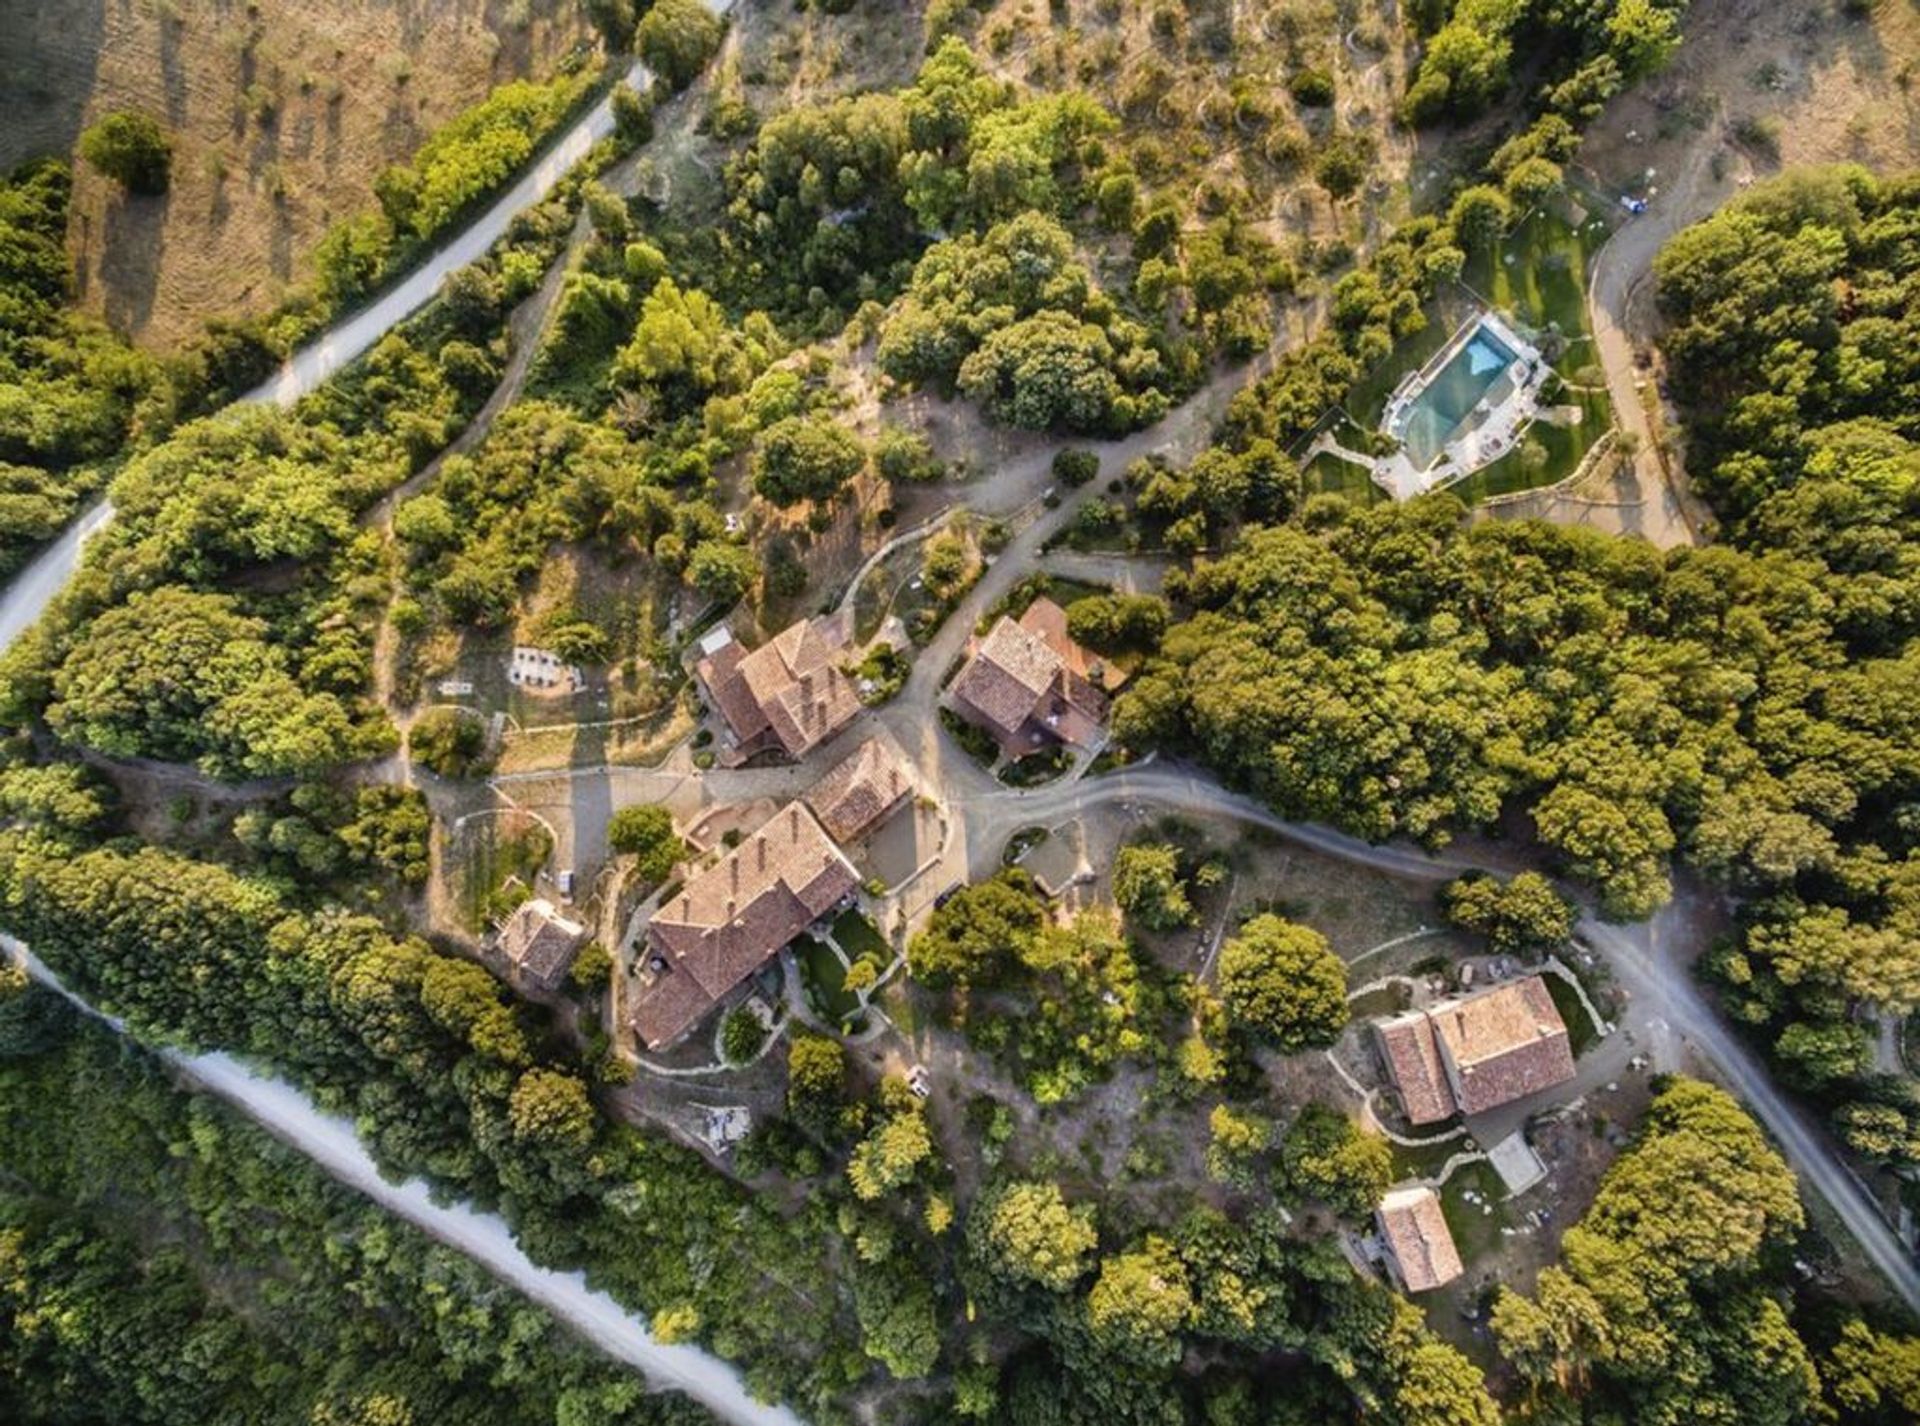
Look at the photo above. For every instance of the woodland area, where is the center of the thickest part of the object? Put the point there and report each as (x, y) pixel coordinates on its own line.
(709, 400)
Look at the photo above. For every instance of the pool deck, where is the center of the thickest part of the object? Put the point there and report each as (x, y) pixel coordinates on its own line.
(1473, 443)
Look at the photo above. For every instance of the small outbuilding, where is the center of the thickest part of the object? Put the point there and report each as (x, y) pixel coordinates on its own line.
(1420, 1250)
(540, 944)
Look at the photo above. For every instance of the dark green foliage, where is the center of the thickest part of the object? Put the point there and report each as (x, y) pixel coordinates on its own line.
(1073, 467)
(426, 1059)
(1662, 1303)
(741, 1035)
(1118, 623)
(183, 676)
(677, 37)
(130, 148)
(972, 938)
(647, 832)
(68, 389)
(806, 458)
(448, 741)
(832, 201)
(1013, 319)
(163, 1261)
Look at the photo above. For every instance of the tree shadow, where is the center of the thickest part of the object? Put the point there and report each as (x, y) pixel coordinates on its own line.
(44, 84)
(133, 243)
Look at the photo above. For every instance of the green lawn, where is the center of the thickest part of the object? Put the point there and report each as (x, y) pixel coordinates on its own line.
(1565, 447)
(1544, 284)
(1581, 1031)
(825, 979)
(860, 940)
(1475, 1233)
(1328, 474)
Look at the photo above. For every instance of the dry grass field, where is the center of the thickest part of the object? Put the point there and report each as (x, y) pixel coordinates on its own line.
(283, 114)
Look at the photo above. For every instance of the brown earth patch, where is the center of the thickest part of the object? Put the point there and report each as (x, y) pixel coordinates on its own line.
(282, 116)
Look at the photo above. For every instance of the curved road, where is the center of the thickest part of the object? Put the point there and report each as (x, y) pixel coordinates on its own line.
(1663, 981)
(307, 368)
(279, 1107)
(331, 1142)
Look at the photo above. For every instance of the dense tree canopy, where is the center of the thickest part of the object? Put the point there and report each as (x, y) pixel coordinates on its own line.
(1282, 983)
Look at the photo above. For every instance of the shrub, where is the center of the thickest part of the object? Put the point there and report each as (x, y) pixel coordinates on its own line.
(131, 149)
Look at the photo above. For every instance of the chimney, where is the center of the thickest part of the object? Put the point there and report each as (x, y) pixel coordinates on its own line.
(686, 908)
(761, 844)
(733, 873)
(793, 822)
(731, 904)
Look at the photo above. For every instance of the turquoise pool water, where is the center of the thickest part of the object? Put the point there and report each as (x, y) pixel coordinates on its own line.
(1440, 410)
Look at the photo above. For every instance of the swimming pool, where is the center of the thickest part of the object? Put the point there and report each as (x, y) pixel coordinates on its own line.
(1432, 418)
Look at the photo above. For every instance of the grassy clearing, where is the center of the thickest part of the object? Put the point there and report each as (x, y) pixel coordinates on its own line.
(1539, 272)
(1424, 1160)
(860, 939)
(825, 979)
(1475, 1226)
(1328, 474)
(494, 862)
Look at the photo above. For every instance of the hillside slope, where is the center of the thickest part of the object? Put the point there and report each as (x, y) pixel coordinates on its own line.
(283, 115)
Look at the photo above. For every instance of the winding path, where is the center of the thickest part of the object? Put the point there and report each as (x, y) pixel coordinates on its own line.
(331, 1142)
(279, 1107)
(1640, 954)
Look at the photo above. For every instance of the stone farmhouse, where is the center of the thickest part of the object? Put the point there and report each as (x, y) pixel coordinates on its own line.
(1476, 1052)
(730, 920)
(789, 695)
(1030, 686)
(1420, 1250)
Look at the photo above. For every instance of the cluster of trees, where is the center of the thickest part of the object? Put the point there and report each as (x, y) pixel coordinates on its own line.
(544, 474)
(164, 1262)
(1590, 52)
(1112, 1315)
(445, 1075)
(1667, 1306)
(227, 615)
(474, 153)
(1522, 915)
(170, 644)
(70, 392)
(831, 201)
(1793, 320)
(1013, 319)
(1401, 674)
(1086, 1001)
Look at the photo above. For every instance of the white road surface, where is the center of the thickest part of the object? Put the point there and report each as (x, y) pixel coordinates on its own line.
(276, 1105)
(330, 1142)
(307, 368)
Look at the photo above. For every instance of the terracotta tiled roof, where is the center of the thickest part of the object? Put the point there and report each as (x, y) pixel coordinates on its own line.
(1413, 1059)
(861, 791)
(1473, 1054)
(540, 943)
(791, 686)
(1415, 1232)
(1049, 621)
(730, 693)
(727, 922)
(1503, 1044)
(1009, 674)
